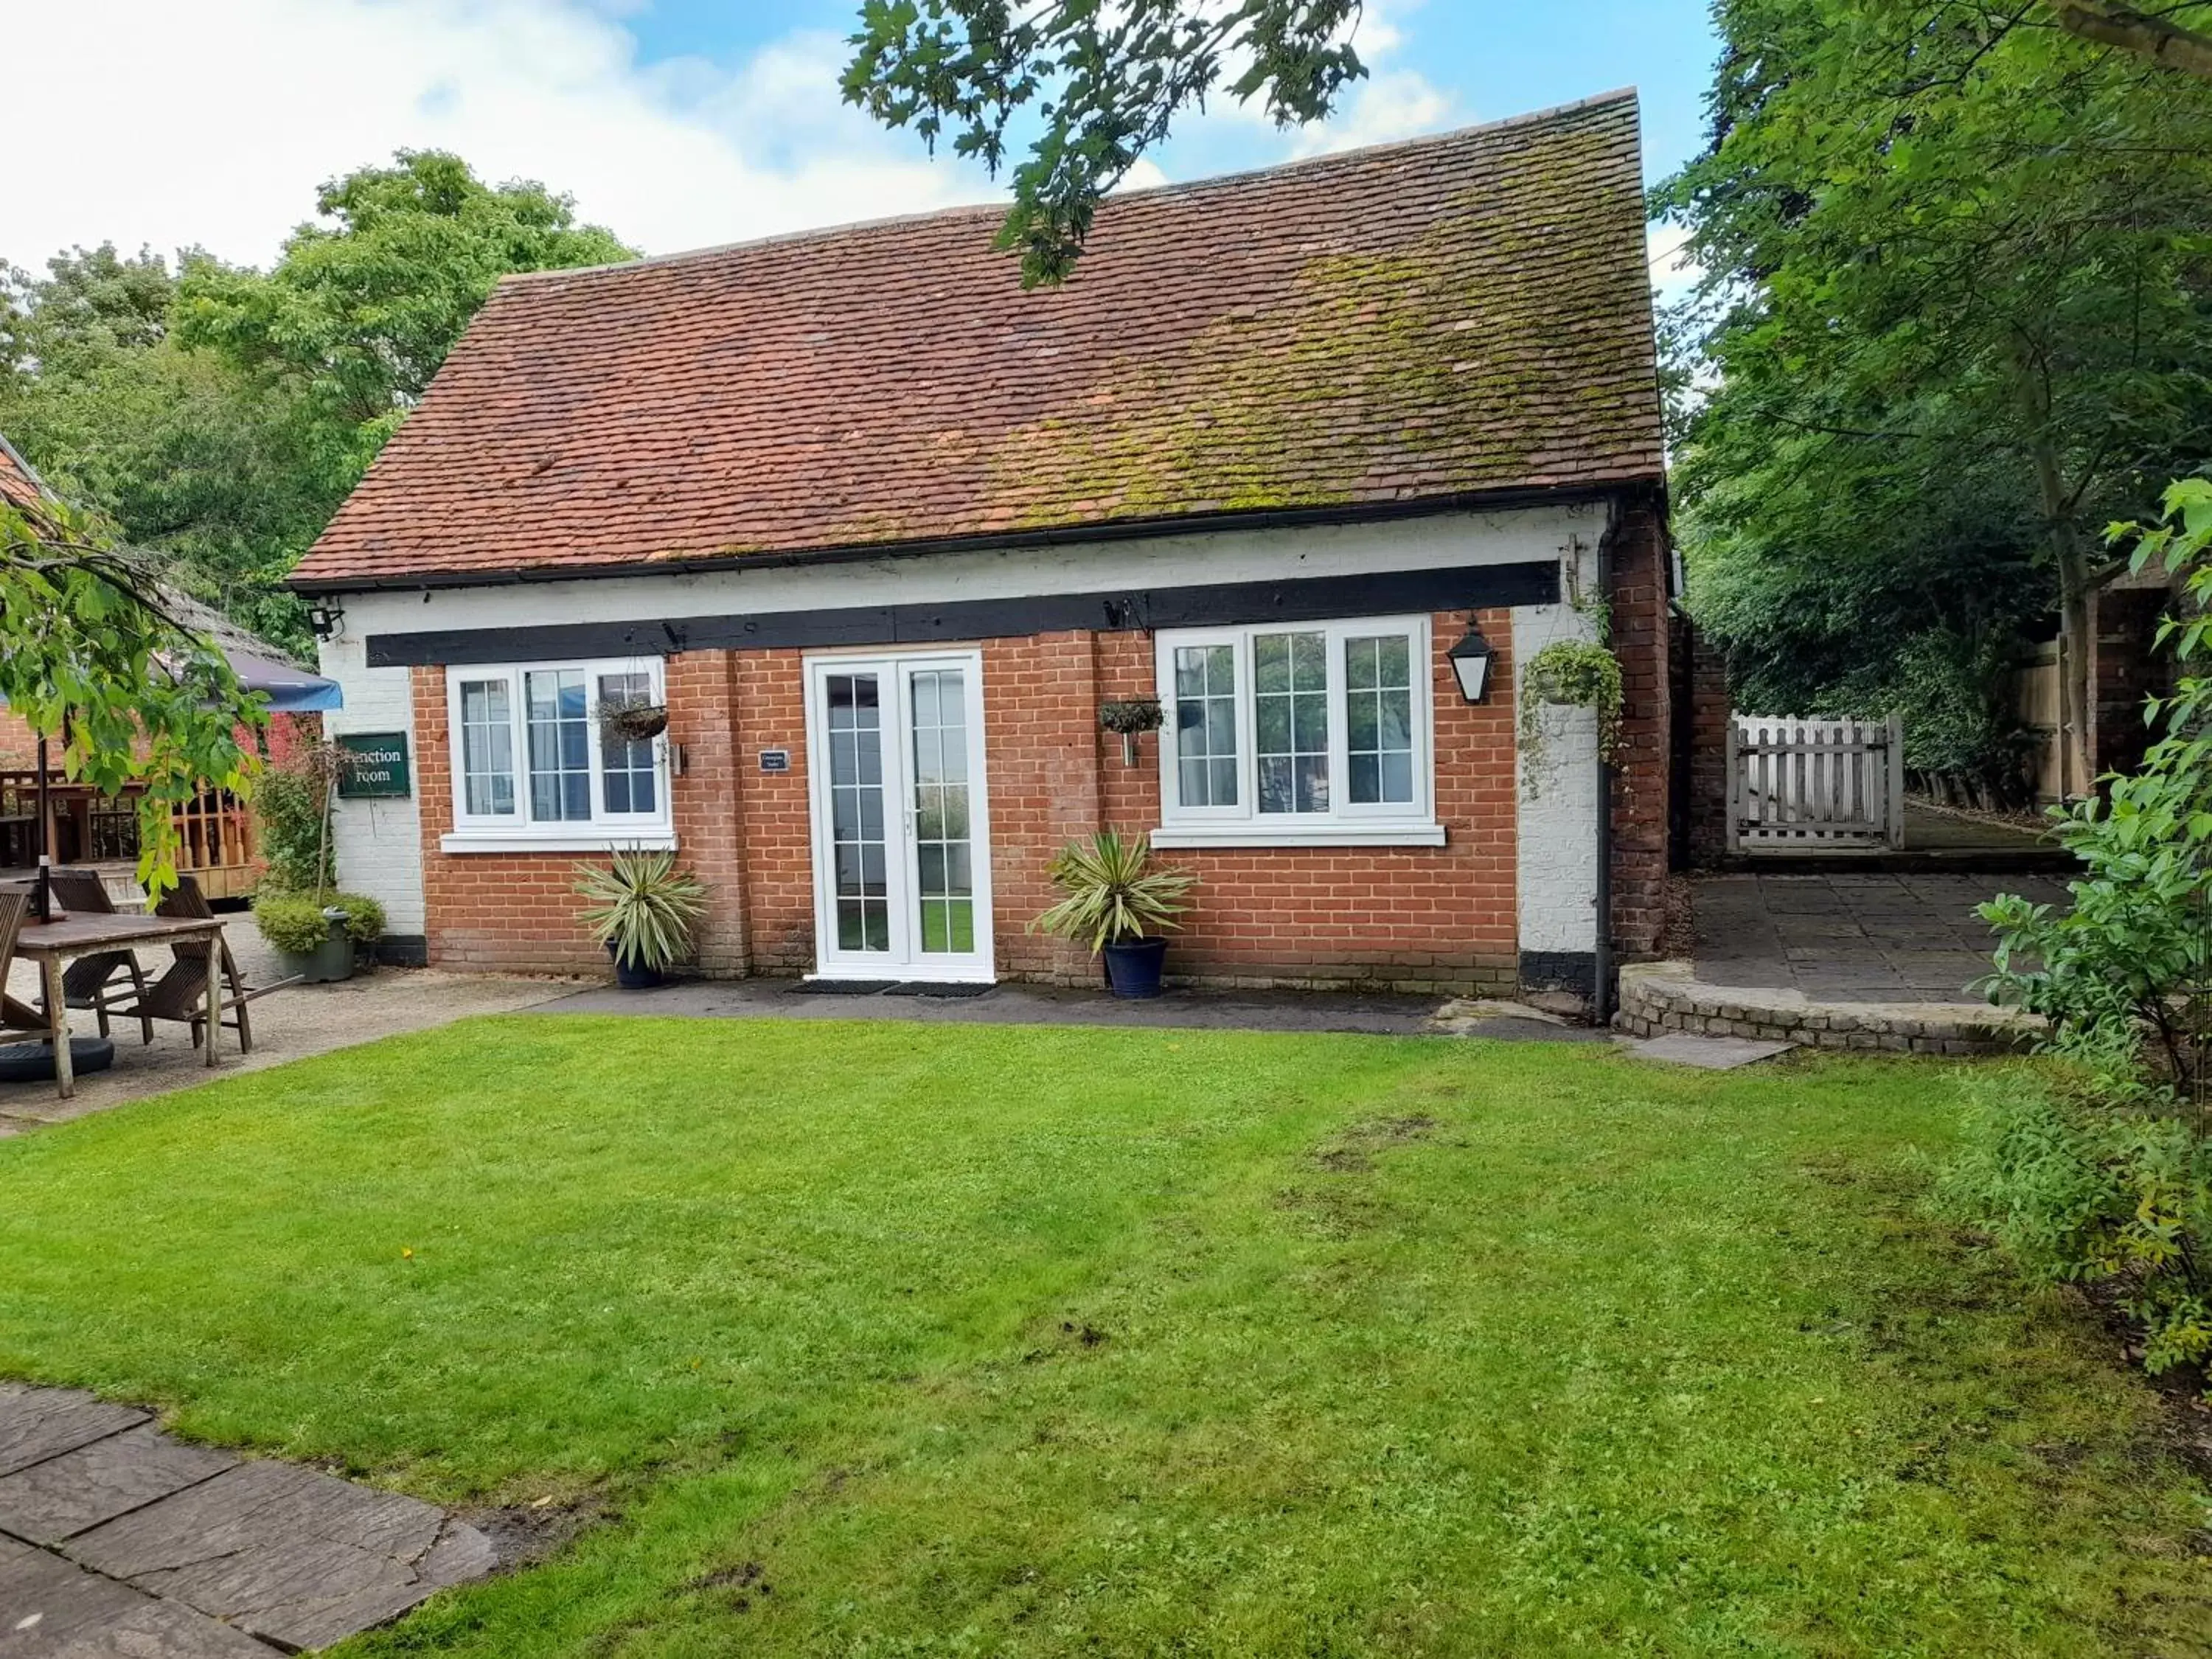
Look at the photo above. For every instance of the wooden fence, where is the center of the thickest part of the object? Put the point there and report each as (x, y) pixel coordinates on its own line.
(1806, 786)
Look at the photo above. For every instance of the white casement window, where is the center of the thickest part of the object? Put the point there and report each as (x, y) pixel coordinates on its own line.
(1298, 734)
(532, 769)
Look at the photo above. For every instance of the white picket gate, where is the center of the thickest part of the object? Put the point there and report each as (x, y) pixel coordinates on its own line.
(1803, 785)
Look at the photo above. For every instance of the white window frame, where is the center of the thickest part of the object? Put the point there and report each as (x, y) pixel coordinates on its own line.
(1377, 823)
(516, 832)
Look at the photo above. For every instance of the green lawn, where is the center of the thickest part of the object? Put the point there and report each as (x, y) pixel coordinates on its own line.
(899, 1339)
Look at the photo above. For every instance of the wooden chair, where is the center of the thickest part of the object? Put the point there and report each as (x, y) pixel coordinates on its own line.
(91, 982)
(181, 993)
(14, 910)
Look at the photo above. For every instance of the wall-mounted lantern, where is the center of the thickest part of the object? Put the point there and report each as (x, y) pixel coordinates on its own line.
(1470, 660)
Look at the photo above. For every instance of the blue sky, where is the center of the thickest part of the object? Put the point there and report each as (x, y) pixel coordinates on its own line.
(1490, 57)
(676, 123)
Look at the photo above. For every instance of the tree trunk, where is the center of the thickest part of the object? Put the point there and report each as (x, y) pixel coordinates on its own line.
(2077, 649)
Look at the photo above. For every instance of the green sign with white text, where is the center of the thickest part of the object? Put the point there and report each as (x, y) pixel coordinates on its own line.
(375, 765)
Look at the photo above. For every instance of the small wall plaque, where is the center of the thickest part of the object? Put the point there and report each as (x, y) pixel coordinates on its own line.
(775, 760)
(375, 765)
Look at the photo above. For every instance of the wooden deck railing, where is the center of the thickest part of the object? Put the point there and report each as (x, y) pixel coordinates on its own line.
(215, 831)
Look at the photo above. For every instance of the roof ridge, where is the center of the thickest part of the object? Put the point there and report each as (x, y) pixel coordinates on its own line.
(30, 472)
(1173, 187)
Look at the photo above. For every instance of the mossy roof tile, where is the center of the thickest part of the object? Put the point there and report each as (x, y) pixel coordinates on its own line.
(1430, 320)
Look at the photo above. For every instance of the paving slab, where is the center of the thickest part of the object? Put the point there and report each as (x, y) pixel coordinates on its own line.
(289, 1554)
(1711, 1053)
(1375, 1013)
(296, 1022)
(1852, 936)
(51, 1608)
(37, 1424)
(64, 1496)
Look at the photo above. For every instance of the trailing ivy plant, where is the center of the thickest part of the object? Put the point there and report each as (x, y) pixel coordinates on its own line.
(2101, 1174)
(1580, 673)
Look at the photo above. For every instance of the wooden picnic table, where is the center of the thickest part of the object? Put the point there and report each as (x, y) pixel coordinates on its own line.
(53, 944)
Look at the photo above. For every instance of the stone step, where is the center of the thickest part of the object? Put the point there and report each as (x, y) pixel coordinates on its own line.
(1659, 997)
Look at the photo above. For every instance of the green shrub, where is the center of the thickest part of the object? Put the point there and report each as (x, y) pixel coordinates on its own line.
(290, 801)
(2109, 1179)
(364, 916)
(1955, 694)
(291, 921)
(2084, 1191)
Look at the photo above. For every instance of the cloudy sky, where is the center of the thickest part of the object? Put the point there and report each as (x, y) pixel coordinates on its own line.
(676, 122)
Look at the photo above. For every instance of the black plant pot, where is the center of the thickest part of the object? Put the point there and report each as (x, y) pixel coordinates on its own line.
(634, 976)
(1133, 970)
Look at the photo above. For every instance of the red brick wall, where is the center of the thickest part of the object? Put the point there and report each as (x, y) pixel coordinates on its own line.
(707, 800)
(779, 895)
(1711, 706)
(18, 748)
(1410, 917)
(1415, 917)
(1637, 574)
(512, 910)
(1042, 757)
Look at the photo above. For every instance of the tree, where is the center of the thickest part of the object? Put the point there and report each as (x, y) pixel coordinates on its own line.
(209, 469)
(1107, 82)
(91, 658)
(362, 312)
(220, 417)
(1955, 296)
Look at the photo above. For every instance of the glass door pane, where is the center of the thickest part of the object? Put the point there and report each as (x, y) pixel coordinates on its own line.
(945, 883)
(859, 866)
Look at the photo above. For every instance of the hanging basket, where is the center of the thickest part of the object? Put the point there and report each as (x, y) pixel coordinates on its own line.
(1129, 717)
(632, 722)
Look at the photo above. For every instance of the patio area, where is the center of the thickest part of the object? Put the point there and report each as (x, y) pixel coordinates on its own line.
(288, 1025)
(1853, 936)
(1848, 958)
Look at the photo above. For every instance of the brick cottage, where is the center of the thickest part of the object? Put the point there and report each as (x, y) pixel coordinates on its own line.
(884, 532)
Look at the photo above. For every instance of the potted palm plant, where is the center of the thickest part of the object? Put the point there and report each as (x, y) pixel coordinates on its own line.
(642, 909)
(1118, 905)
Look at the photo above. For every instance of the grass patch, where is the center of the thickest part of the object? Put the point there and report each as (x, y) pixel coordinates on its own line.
(893, 1338)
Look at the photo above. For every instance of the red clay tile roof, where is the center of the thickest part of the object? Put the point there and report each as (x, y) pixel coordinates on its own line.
(19, 486)
(1424, 321)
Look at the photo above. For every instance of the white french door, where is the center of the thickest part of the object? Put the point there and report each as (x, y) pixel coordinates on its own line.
(901, 829)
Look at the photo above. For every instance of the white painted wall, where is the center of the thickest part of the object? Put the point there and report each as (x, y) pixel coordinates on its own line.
(1557, 816)
(379, 842)
(1444, 542)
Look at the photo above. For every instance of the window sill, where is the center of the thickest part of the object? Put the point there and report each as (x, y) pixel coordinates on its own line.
(1177, 837)
(565, 841)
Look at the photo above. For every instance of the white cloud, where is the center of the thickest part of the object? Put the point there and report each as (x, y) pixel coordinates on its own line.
(1674, 273)
(214, 123)
(1390, 104)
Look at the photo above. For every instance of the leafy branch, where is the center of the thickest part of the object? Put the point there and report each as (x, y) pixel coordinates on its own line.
(92, 657)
